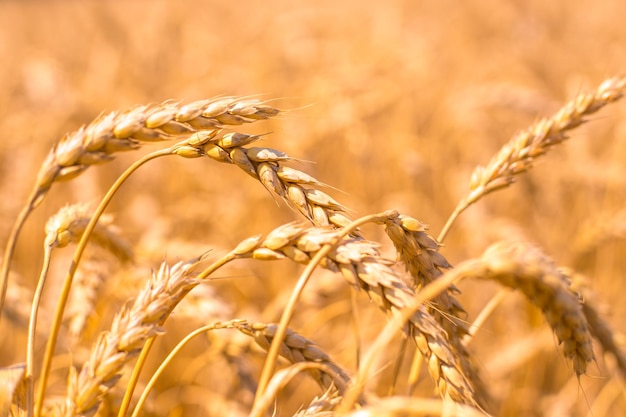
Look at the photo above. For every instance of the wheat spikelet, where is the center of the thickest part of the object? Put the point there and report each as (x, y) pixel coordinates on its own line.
(359, 262)
(297, 348)
(127, 130)
(527, 269)
(518, 155)
(130, 329)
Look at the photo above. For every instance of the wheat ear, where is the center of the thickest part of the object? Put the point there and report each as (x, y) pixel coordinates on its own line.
(518, 155)
(359, 262)
(420, 254)
(121, 131)
(525, 268)
(131, 328)
(297, 348)
(321, 406)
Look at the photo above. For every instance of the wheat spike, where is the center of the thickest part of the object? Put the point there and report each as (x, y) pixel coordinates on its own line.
(359, 262)
(598, 326)
(525, 268)
(126, 130)
(130, 329)
(267, 166)
(519, 153)
(297, 348)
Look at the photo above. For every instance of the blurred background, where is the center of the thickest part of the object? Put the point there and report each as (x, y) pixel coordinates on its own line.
(394, 103)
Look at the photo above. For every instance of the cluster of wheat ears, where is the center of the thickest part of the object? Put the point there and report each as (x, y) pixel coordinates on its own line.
(421, 302)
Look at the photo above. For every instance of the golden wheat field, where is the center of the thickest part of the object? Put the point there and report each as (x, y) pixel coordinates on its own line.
(400, 208)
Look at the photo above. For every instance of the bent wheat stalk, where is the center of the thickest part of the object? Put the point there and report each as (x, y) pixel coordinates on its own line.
(519, 154)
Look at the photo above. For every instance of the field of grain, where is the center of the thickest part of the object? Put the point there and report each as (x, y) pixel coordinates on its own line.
(295, 119)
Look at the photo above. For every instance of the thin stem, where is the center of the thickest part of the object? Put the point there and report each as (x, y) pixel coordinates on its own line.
(470, 199)
(272, 355)
(67, 283)
(32, 330)
(397, 367)
(10, 248)
(145, 350)
(457, 211)
(416, 368)
(170, 357)
(484, 314)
